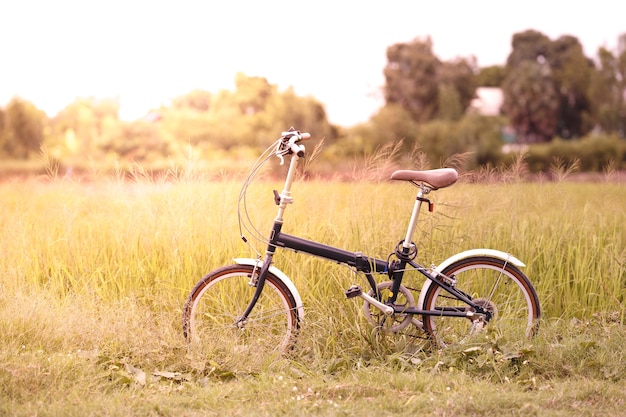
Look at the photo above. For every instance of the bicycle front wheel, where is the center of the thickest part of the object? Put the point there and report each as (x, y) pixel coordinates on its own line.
(212, 312)
(497, 286)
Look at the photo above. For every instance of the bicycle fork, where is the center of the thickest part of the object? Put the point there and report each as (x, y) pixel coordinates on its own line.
(257, 279)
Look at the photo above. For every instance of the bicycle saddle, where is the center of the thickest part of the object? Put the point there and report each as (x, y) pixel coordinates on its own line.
(435, 178)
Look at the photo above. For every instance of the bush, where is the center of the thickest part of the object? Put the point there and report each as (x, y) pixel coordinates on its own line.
(594, 153)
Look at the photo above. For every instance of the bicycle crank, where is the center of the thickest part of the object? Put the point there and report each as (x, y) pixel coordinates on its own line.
(356, 291)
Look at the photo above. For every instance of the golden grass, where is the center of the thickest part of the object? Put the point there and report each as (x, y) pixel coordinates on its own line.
(94, 275)
(153, 240)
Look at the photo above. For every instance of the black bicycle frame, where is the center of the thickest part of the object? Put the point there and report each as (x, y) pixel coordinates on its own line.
(353, 259)
(361, 263)
(369, 265)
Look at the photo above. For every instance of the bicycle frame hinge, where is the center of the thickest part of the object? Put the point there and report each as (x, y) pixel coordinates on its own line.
(282, 198)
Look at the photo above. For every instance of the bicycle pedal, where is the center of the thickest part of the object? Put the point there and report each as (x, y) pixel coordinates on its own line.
(354, 291)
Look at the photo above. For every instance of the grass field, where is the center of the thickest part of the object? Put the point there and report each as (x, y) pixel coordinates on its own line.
(94, 276)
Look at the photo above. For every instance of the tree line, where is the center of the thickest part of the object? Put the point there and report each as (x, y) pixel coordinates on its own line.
(551, 91)
(91, 128)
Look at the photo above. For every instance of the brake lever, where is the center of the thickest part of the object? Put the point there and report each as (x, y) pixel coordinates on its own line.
(279, 152)
(285, 146)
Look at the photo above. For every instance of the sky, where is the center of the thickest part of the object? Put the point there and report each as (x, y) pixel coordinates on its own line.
(144, 53)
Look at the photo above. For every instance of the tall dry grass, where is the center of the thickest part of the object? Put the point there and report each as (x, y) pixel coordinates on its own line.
(153, 239)
(93, 276)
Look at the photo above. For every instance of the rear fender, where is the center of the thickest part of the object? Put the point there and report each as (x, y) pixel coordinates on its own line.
(507, 257)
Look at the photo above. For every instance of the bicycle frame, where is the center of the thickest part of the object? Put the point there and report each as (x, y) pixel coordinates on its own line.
(356, 260)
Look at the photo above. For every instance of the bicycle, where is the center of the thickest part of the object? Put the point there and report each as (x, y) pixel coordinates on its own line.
(252, 304)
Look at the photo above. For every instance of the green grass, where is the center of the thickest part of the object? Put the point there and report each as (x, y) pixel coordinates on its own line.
(94, 276)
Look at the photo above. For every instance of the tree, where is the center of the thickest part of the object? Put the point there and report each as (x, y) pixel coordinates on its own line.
(562, 72)
(391, 124)
(140, 140)
(425, 86)
(529, 45)
(251, 115)
(492, 76)
(531, 102)
(411, 78)
(571, 72)
(449, 103)
(304, 113)
(199, 100)
(252, 93)
(456, 88)
(607, 90)
(91, 122)
(23, 129)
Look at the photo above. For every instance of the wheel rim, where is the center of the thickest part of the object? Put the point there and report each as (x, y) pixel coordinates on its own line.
(218, 306)
(498, 290)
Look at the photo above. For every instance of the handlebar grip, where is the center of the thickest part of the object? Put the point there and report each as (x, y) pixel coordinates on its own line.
(305, 136)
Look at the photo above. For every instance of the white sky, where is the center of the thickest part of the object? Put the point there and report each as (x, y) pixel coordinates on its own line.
(147, 52)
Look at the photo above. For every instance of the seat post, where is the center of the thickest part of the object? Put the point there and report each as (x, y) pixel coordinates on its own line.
(423, 190)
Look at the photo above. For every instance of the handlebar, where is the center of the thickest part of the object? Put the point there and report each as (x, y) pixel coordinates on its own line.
(289, 143)
(296, 133)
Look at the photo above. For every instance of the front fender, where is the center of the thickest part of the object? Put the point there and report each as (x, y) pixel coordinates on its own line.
(494, 253)
(281, 276)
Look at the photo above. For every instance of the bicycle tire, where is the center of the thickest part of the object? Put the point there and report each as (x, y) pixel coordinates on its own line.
(218, 300)
(500, 286)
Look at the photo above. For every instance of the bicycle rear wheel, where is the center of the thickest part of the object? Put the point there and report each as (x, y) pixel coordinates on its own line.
(499, 287)
(215, 304)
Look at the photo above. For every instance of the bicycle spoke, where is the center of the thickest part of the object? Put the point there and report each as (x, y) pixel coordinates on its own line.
(498, 288)
(214, 309)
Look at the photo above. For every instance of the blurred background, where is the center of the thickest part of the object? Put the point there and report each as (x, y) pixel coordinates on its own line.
(88, 87)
